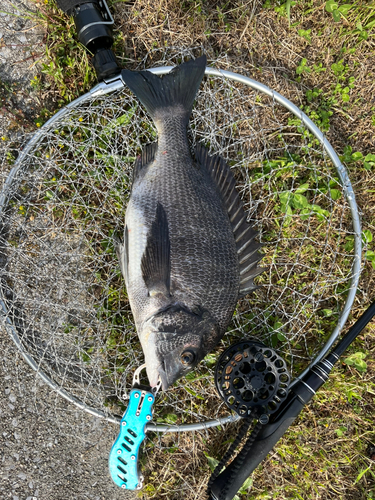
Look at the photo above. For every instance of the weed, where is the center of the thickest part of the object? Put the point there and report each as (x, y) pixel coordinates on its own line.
(337, 11)
(319, 108)
(357, 360)
(282, 7)
(305, 34)
(302, 67)
(319, 68)
(370, 256)
(340, 69)
(357, 158)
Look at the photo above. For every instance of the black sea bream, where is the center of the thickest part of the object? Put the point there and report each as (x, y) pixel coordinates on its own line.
(188, 253)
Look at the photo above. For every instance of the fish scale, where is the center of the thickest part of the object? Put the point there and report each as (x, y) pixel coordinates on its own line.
(202, 241)
(184, 269)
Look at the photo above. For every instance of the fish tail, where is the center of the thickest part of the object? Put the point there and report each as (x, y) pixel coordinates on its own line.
(176, 89)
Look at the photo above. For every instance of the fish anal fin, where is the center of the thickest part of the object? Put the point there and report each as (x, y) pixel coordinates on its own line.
(147, 156)
(155, 263)
(244, 233)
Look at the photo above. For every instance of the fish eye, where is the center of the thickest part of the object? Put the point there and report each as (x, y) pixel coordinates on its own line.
(187, 358)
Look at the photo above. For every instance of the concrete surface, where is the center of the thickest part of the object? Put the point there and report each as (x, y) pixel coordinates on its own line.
(49, 450)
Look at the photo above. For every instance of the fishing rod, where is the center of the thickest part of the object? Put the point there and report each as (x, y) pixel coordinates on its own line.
(226, 485)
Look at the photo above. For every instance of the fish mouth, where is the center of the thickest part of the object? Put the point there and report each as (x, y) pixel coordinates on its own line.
(155, 367)
(160, 374)
(163, 377)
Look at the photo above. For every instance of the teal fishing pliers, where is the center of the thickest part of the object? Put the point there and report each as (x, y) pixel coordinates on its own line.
(123, 457)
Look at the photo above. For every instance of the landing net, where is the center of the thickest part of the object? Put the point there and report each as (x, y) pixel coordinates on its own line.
(63, 297)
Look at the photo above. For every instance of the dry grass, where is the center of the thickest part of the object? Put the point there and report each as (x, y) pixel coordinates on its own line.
(324, 454)
(311, 461)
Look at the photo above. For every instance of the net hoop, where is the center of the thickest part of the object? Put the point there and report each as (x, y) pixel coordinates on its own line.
(116, 84)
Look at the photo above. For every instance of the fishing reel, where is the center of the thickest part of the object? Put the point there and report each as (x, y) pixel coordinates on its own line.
(251, 377)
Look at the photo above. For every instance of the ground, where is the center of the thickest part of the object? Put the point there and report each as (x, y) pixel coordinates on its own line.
(321, 56)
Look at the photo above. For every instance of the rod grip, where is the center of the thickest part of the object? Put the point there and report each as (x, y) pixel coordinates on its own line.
(265, 441)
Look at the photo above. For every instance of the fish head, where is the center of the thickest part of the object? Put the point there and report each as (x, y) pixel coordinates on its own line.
(174, 341)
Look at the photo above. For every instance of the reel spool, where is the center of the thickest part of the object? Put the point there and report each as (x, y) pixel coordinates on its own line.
(250, 376)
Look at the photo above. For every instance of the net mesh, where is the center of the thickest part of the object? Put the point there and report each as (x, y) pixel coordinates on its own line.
(61, 286)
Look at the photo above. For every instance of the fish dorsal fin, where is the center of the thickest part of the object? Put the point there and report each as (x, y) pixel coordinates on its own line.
(147, 156)
(244, 234)
(156, 263)
(123, 254)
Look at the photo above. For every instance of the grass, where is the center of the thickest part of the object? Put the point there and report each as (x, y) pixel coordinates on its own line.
(321, 56)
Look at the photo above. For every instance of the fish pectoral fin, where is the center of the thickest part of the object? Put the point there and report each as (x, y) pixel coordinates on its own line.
(244, 234)
(147, 156)
(123, 254)
(156, 262)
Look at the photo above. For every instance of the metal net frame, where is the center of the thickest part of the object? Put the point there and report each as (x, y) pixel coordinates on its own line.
(63, 299)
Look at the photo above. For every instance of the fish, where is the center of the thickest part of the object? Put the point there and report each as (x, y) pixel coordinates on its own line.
(188, 253)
